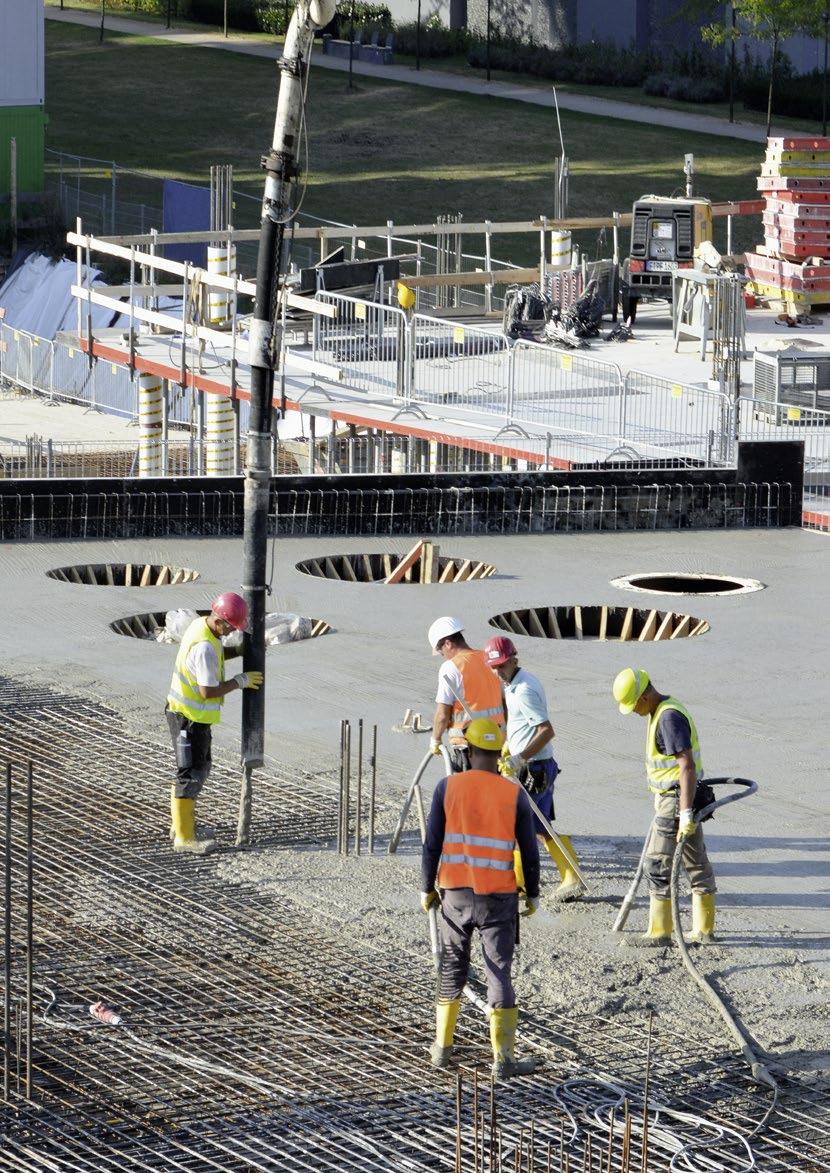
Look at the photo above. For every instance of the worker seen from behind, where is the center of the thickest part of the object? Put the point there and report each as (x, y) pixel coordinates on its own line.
(194, 704)
(674, 770)
(475, 820)
(467, 689)
(528, 753)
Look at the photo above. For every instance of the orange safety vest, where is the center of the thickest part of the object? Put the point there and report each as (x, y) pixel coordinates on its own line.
(482, 693)
(479, 833)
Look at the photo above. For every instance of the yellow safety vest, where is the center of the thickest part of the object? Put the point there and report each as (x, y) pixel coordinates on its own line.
(663, 770)
(183, 695)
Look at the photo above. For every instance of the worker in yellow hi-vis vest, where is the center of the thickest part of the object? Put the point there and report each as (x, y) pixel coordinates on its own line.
(674, 769)
(194, 704)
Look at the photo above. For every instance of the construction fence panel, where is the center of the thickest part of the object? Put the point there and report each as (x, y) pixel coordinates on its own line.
(460, 365)
(561, 389)
(72, 374)
(686, 420)
(367, 341)
(759, 420)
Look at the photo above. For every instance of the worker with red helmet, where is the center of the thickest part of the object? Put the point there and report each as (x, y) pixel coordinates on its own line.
(528, 754)
(194, 703)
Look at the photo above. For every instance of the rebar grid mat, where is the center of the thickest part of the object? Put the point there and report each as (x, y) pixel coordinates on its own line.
(254, 1040)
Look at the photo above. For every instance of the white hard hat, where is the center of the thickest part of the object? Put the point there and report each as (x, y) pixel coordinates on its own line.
(441, 628)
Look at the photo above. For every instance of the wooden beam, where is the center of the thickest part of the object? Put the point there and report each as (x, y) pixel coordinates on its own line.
(682, 628)
(699, 628)
(463, 572)
(649, 627)
(491, 277)
(578, 622)
(534, 624)
(478, 571)
(109, 574)
(627, 625)
(664, 630)
(603, 623)
(513, 617)
(448, 573)
(553, 623)
(163, 576)
(145, 574)
(429, 562)
(348, 569)
(406, 563)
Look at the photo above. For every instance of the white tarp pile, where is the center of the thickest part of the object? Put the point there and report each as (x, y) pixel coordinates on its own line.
(36, 297)
(279, 628)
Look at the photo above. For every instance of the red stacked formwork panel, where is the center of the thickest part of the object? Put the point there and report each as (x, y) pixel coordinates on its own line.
(793, 264)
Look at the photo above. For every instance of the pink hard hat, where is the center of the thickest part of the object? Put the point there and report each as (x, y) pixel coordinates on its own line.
(232, 608)
(498, 650)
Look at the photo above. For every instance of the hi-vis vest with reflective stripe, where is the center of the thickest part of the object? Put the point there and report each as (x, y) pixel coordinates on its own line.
(663, 770)
(184, 696)
(479, 833)
(482, 693)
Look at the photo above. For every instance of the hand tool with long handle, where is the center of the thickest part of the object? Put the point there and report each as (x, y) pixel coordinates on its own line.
(414, 793)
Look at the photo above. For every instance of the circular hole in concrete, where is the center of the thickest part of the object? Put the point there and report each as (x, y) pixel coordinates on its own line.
(670, 583)
(608, 623)
(137, 574)
(152, 625)
(422, 568)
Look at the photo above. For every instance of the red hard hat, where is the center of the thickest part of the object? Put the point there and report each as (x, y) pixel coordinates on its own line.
(498, 650)
(232, 608)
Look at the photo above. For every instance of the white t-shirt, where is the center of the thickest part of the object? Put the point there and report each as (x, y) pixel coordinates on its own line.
(527, 709)
(203, 664)
(448, 674)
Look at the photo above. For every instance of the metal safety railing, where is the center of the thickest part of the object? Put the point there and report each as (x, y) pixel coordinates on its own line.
(367, 341)
(693, 421)
(459, 364)
(760, 420)
(573, 389)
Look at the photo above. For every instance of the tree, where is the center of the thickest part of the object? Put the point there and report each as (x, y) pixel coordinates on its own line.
(770, 21)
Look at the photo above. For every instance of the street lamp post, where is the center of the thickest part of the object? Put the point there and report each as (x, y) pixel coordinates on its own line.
(826, 19)
(489, 26)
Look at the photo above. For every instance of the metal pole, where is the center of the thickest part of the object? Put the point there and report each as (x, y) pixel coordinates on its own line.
(824, 76)
(372, 786)
(13, 192)
(347, 765)
(7, 929)
(280, 165)
(340, 789)
(418, 37)
(351, 46)
(225, 19)
(29, 921)
(732, 68)
(113, 197)
(359, 791)
(101, 31)
(489, 6)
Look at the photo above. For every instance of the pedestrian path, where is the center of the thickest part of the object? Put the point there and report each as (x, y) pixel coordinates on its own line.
(437, 79)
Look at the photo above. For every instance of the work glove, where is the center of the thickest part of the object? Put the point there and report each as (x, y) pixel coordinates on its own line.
(687, 825)
(430, 900)
(531, 905)
(248, 679)
(512, 765)
(435, 747)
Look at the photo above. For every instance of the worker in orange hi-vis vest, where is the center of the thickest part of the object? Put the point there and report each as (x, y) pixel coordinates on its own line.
(466, 689)
(476, 820)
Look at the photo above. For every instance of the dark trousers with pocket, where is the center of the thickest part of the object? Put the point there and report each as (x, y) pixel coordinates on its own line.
(190, 779)
(494, 916)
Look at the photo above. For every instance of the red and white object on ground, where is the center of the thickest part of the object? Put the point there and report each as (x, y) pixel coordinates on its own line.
(105, 1013)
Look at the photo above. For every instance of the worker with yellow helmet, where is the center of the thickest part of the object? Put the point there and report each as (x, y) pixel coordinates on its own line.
(475, 820)
(674, 769)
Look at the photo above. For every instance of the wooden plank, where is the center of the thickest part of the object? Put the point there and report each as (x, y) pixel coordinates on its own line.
(406, 563)
(534, 624)
(74, 576)
(489, 571)
(494, 277)
(320, 627)
(90, 576)
(699, 628)
(145, 574)
(348, 569)
(627, 625)
(553, 624)
(649, 627)
(665, 628)
(367, 568)
(682, 628)
(478, 571)
(128, 574)
(518, 626)
(603, 623)
(331, 569)
(429, 562)
(463, 572)
(180, 576)
(448, 573)
(578, 622)
(164, 576)
(139, 624)
(387, 564)
(109, 574)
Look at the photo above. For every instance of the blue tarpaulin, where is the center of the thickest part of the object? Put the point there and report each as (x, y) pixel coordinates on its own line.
(186, 209)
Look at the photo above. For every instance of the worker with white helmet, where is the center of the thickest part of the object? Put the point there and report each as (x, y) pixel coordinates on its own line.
(475, 819)
(194, 704)
(674, 769)
(530, 753)
(466, 689)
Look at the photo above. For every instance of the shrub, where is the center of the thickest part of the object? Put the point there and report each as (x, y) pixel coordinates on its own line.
(434, 42)
(657, 84)
(590, 64)
(695, 89)
(797, 97)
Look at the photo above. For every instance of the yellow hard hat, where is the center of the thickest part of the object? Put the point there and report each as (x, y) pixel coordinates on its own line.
(485, 734)
(629, 686)
(406, 296)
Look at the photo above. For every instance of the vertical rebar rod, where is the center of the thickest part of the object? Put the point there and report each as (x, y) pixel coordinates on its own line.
(18, 1022)
(358, 798)
(458, 1079)
(492, 1120)
(475, 1119)
(610, 1141)
(7, 928)
(372, 787)
(340, 790)
(644, 1159)
(29, 923)
(347, 766)
(530, 1149)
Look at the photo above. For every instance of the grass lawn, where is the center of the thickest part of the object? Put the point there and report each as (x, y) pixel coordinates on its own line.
(381, 151)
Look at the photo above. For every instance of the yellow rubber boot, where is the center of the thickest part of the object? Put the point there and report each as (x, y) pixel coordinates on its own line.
(571, 887)
(183, 812)
(503, 1037)
(703, 918)
(660, 926)
(446, 1016)
(519, 870)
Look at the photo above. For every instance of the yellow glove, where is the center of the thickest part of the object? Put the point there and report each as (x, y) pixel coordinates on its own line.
(505, 768)
(249, 679)
(435, 747)
(531, 905)
(687, 826)
(430, 900)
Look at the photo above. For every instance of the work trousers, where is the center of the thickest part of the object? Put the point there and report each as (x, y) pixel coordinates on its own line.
(462, 912)
(190, 779)
(661, 846)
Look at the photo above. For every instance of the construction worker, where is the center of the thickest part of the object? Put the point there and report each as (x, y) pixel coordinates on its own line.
(528, 753)
(466, 689)
(476, 818)
(194, 704)
(674, 770)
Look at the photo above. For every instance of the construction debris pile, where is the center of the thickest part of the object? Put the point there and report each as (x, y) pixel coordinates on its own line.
(279, 629)
(531, 314)
(792, 266)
